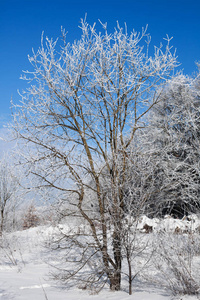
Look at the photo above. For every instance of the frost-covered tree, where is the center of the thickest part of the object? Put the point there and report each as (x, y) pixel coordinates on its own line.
(176, 135)
(80, 114)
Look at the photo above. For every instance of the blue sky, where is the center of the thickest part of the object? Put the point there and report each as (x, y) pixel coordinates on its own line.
(22, 22)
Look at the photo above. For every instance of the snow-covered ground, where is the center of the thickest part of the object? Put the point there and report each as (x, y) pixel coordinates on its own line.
(25, 267)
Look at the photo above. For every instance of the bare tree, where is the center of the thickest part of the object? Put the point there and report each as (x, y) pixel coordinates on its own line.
(85, 103)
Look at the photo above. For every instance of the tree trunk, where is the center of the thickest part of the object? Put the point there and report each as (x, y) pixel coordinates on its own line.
(130, 276)
(115, 281)
(1, 222)
(115, 278)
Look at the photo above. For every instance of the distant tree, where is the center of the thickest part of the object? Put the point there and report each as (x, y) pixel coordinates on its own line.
(31, 218)
(79, 116)
(8, 184)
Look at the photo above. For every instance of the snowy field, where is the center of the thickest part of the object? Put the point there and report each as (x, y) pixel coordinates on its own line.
(25, 268)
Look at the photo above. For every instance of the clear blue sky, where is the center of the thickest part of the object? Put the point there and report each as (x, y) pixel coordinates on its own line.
(22, 22)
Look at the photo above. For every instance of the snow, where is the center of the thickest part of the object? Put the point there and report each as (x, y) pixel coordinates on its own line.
(25, 268)
(169, 224)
